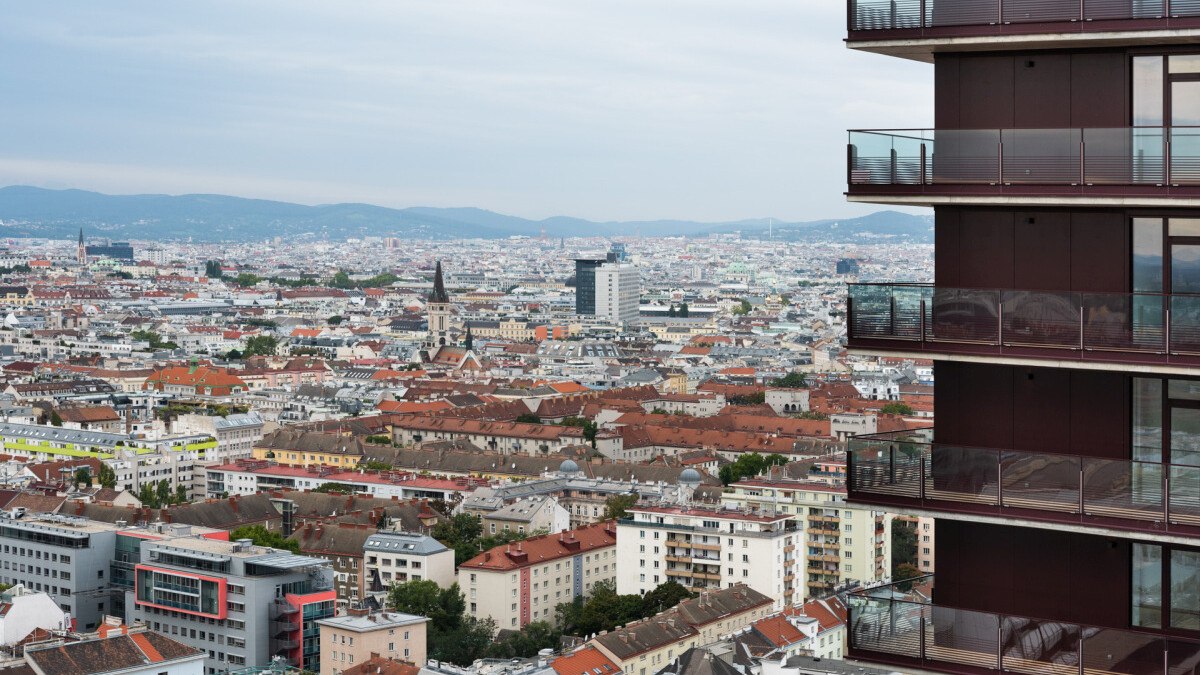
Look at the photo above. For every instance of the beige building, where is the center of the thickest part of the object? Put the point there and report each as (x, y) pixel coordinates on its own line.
(843, 542)
(347, 641)
(647, 646)
(519, 583)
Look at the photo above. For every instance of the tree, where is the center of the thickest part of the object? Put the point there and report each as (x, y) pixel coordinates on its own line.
(615, 507)
(181, 495)
(83, 476)
(664, 597)
(163, 492)
(261, 536)
(260, 345)
(743, 308)
(106, 476)
(460, 532)
(335, 488)
(756, 398)
(896, 408)
(55, 419)
(671, 311)
(905, 575)
(154, 340)
(529, 418)
(526, 642)
(233, 355)
(683, 310)
(379, 439)
(335, 320)
(247, 279)
(904, 544)
(212, 270)
(148, 497)
(749, 464)
(375, 465)
(341, 280)
(792, 380)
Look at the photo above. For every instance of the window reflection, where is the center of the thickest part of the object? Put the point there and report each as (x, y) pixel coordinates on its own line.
(1147, 419)
(1148, 91)
(1147, 586)
(1185, 590)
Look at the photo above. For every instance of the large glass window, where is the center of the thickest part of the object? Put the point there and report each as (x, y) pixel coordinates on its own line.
(1148, 255)
(1147, 419)
(1177, 572)
(1147, 586)
(1185, 590)
(1148, 91)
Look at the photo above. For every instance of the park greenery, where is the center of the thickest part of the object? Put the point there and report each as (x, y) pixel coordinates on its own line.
(749, 465)
(261, 536)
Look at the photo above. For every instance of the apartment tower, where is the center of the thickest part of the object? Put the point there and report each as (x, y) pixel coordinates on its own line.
(1063, 320)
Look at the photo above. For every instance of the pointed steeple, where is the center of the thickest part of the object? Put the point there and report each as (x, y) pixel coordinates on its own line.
(81, 236)
(469, 343)
(439, 287)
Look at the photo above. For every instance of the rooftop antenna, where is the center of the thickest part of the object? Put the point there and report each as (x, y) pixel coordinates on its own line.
(771, 229)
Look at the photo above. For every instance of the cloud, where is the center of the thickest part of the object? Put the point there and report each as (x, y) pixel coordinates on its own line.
(622, 109)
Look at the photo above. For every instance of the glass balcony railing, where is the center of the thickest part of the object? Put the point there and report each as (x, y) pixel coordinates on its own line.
(1140, 327)
(1121, 156)
(865, 15)
(899, 624)
(906, 467)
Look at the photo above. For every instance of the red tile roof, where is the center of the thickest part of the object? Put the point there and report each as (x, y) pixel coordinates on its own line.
(586, 661)
(537, 550)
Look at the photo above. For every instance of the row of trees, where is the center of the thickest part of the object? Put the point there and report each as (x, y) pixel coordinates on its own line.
(261, 536)
(157, 495)
(682, 312)
(461, 639)
(156, 341)
(748, 465)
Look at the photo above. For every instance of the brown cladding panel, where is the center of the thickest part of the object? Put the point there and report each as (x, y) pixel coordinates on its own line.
(986, 97)
(1041, 410)
(1100, 425)
(950, 415)
(945, 241)
(1099, 89)
(1026, 572)
(1042, 84)
(981, 413)
(986, 249)
(946, 87)
(1100, 252)
(1042, 251)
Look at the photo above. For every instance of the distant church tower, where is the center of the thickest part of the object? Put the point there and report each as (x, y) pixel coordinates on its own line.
(81, 253)
(438, 309)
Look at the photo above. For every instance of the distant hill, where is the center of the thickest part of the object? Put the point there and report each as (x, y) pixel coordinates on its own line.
(37, 212)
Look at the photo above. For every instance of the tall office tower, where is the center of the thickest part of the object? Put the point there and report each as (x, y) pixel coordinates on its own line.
(585, 285)
(1064, 325)
(618, 293)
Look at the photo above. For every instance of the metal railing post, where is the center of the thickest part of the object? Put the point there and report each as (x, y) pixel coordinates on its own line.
(922, 175)
(893, 9)
(1081, 348)
(921, 493)
(921, 18)
(1082, 160)
(1080, 500)
(999, 479)
(1166, 496)
(892, 315)
(922, 319)
(892, 168)
(1000, 323)
(1166, 156)
(1167, 331)
(1000, 160)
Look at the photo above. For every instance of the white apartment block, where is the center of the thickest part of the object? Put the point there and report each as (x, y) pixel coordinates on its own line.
(618, 293)
(843, 543)
(707, 549)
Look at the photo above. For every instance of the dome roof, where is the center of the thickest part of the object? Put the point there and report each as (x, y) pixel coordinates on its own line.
(689, 477)
(568, 466)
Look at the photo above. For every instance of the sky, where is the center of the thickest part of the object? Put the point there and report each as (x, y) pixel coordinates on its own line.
(706, 110)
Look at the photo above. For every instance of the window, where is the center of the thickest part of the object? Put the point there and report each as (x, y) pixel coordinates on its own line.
(1163, 587)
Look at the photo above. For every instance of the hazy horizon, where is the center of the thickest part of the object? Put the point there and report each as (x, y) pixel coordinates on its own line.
(650, 110)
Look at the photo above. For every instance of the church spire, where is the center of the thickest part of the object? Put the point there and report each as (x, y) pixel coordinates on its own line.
(439, 287)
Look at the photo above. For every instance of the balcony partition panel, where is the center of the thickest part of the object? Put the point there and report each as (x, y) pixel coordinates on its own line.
(899, 623)
(906, 467)
(867, 15)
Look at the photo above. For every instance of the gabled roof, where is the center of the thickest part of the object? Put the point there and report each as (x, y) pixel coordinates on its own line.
(585, 661)
(122, 652)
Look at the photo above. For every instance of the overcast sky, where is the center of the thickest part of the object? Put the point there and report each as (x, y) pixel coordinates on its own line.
(602, 109)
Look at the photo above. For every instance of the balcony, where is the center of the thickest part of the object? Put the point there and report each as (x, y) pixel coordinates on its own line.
(1120, 166)
(896, 625)
(915, 28)
(1157, 333)
(904, 469)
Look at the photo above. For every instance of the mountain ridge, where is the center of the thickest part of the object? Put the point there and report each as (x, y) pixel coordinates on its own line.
(27, 211)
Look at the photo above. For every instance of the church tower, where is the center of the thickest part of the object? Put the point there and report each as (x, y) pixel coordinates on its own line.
(437, 307)
(81, 253)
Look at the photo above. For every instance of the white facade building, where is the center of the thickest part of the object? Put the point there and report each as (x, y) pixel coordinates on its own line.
(618, 293)
(706, 549)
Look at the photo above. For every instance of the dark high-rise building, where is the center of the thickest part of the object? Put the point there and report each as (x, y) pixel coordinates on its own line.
(121, 250)
(847, 266)
(1064, 325)
(585, 285)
